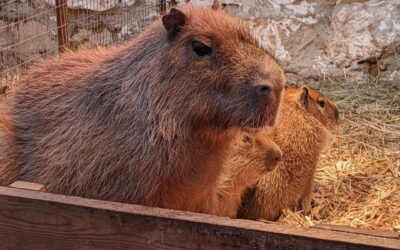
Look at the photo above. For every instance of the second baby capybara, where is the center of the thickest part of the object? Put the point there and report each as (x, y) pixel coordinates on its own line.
(306, 122)
(149, 122)
(251, 155)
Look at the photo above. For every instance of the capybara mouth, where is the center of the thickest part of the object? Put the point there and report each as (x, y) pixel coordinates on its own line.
(269, 169)
(265, 119)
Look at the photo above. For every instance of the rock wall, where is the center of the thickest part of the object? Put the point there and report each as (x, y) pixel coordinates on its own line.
(325, 38)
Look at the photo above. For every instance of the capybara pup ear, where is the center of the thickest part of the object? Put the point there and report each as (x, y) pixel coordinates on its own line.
(216, 5)
(304, 96)
(173, 22)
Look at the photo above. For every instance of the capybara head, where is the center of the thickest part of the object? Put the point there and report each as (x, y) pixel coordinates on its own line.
(255, 153)
(318, 105)
(212, 54)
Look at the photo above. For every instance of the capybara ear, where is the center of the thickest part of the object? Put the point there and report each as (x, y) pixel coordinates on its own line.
(173, 22)
(304, 96)
(216, 5)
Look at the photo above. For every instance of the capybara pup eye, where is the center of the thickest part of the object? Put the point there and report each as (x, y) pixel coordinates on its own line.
(201, 49)
(246, 139)
(321, 103)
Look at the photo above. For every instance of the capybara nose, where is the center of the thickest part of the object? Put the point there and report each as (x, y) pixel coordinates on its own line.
(274, 157)
(263, 90)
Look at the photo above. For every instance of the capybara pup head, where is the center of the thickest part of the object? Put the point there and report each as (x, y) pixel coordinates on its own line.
(237, 83)
(319, 106)
(254, 154)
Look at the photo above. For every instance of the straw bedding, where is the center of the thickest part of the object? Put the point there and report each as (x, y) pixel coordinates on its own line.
(358, 179)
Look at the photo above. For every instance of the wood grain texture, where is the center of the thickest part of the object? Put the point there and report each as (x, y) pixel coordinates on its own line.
(371, 232)
(62, 24)
(29, 186)
(36, 220)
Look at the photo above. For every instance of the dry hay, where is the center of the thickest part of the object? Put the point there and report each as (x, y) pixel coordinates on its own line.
(358, 180)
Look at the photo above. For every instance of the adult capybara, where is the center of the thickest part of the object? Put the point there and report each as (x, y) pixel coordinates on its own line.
(306, 121)
(251, 155)
(148, 122)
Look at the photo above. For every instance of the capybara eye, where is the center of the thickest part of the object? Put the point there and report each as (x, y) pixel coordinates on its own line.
(201, 49)
(246, 139)
(322, 103)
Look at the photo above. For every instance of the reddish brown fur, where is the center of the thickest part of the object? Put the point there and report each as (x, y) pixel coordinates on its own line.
(3, 89)
(7, 141)
(302, 132)
(251, 156)
(146, 123)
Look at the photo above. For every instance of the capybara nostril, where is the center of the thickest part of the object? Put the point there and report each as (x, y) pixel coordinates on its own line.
(263, 90)
(278, 158)
(273, 158)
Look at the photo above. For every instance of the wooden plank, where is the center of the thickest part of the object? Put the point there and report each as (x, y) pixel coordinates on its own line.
(62, 24)
(371, 232)
(36, 220)
(29, 186)
(163, 6)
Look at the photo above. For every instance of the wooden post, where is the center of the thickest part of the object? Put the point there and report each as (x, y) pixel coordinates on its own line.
(62, 22)
(163, 6)
(29, 186)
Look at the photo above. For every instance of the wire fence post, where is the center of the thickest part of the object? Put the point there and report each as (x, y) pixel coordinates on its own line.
(163, 6)
(62, 21)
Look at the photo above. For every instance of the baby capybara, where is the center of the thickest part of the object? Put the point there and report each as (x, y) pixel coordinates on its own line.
(148, 122)
(307, 119)
(251, 155)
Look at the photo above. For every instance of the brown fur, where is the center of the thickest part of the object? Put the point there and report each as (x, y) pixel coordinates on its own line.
(251, 156)
(7, 141)
(148, 122)
(302, 132)
(3, 89)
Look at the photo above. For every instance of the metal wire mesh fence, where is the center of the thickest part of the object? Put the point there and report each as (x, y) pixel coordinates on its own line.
(35, 29)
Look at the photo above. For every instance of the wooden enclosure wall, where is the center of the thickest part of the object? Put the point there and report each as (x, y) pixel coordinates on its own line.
(38, 220)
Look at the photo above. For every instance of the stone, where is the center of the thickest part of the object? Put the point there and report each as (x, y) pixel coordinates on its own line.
(129, 30)
(102, 38)
(15, 11)
(128, 2)
(315, 39)
(7, 59)
(95, 5)
(34, 39)
(363, 31)
(79, 36)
